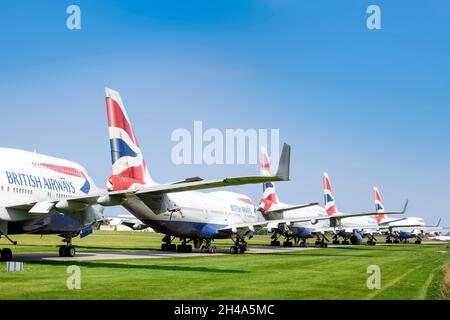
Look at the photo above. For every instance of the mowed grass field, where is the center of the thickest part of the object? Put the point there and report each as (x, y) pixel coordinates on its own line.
(407, 272)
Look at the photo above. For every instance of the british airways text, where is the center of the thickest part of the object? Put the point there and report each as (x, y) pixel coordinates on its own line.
(21, 179)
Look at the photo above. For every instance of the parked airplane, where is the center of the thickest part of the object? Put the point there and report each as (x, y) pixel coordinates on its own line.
(274, 210)
(300, 222)
(398, 229)
(178, 210)
(353, 228)
(438, 237)
(40, 194)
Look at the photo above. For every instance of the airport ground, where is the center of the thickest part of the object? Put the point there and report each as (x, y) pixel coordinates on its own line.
(407, 271)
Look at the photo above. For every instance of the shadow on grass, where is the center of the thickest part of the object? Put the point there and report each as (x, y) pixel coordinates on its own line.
(319, 254)
(127, 266)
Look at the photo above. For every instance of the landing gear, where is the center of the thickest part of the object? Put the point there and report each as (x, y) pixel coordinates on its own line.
(184, 247)
(345, 242)
(396, 241)
(5, 255)
(275, 242)
(208, 248)
(371, 241)
(388, 239)
(67, 250)
(303, 243)
(240, 245)
(168, 245)
(321, 242)
(335, 240)
(287, 244)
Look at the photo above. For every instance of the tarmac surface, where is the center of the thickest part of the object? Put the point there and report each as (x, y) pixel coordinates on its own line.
(93, 256)
(153, 254)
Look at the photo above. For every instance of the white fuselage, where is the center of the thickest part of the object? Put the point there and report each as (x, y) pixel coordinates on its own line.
(198, 214)
(27, 178)
(368, 223)
(406, 224)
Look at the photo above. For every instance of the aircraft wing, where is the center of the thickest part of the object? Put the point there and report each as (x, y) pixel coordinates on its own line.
(349, 215)
(293, 207)
(200, 184)
(388, 222)
(45, 207)
(116, 197)
(419, 226)
(242, 228)
(191, 184)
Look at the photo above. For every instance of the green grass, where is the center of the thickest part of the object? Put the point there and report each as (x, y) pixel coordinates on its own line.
(407, 272)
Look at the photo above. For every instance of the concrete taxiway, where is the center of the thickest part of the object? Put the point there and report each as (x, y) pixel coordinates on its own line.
(152, 254)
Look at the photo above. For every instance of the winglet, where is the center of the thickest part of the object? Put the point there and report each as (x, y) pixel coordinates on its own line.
(439, 222)
(285, 163)
(406, 205)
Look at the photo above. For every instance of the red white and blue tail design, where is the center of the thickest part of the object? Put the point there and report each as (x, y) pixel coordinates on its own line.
(128, 165)
(269, 193)
(379, 206)
(330, 203)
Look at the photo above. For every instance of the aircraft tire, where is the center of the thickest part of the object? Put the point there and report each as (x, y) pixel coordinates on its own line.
(6, 255)
(70, 251)
(62, 251)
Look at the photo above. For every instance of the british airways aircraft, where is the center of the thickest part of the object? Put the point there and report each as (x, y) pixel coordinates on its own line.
(178, 210)
(399, 229)
(353, 228)
(274, 210)
(40, 194)
(306, 221)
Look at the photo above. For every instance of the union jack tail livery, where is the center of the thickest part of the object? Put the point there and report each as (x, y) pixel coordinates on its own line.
(128, 165)
(379, 206)
(330, 203)
(269, 193)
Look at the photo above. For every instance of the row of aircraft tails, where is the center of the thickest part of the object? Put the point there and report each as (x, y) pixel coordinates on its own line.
(40, 195)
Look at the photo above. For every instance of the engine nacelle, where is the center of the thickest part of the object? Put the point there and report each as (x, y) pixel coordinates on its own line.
(110, 201)
(65, 206)
(406, 235)
(356, 238)
(139, 226)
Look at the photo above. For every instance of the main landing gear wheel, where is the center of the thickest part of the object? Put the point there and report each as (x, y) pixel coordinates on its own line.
(67, 251)
(418, 241)
(184, 248)
(169, 247)
(275, 243)
(238, 249)
(209, 249)
(287, 244)
(240, 246)
(396, 241)
(6, 255)
(320, 244)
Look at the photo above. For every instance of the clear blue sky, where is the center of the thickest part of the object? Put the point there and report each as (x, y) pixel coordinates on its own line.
(369, 107)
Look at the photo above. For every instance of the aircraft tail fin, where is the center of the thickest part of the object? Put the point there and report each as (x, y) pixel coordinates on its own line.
(269, 192)
(129, 170)
(330, 203)
(379, 208)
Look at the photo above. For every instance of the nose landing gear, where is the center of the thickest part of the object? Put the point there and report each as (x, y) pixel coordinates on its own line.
(67, 250)
(6, 254)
